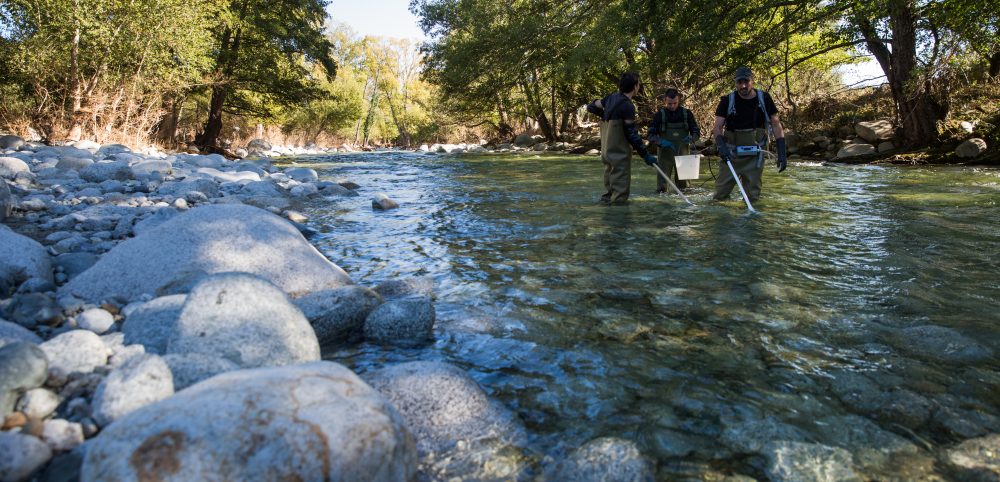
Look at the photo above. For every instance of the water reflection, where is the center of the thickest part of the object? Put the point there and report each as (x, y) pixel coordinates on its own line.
(700, 332)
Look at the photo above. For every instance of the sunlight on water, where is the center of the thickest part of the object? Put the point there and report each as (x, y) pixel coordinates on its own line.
(698, 332)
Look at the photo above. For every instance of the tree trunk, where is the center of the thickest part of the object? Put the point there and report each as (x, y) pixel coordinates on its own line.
(995, 64)
(538, 112)
(917, 110)
(209, 138)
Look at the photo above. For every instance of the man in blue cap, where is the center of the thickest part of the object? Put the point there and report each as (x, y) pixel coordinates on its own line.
(743, 120)
(619, 135)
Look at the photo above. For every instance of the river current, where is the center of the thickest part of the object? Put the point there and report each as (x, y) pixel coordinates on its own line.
(857, 310)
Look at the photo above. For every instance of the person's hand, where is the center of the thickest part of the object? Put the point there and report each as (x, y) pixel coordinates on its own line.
(650, 159)
(667, 144)
(687, 139)
(782, 154)
(723, 148)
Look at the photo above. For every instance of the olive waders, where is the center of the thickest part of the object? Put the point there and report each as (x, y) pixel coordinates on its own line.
(616, 154)
(675, 132)
(749, 168)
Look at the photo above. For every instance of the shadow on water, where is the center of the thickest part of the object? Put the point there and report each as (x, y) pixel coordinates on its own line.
(856, 307)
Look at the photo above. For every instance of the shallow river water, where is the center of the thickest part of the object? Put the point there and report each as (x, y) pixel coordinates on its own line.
(857, 311)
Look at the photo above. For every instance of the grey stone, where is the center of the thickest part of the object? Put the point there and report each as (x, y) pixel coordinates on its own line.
(74, 163)
(874, 131)
(397, 288)
(13, 333)
(73, 264)
(38, 403)
(22, 258)
(87, 144)
(11, 142)
(748, 433)
(191, 368)
(136, 383)
(152, 323)
(404, 321)
(65, 467)
(796, 461)
(606, 459)
(62, 435)
(214, 239)
(7, 201)
(158, 217)
(854, 150)
(11, 166)
(304, 190)
(95, 320)
(23, 366)
(971, 148)
(59, 152)
(245, 319)
(302, 174)
(32, 309)
(257, 146)
(262, 189)
(147, 168)
(104, 170)
(339, 314)
(978, 458)
(885, 147)
(23, 455)
(75, 351)
(382, 202)
(337, 190)
(318, 420)
(943, 344)
(36, 285)
(207, 187)
(214, 161)
(112, 149)
(122, 355)
(871, 446)
(229, 176)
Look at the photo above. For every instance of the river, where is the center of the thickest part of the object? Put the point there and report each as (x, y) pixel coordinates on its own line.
(857, 310)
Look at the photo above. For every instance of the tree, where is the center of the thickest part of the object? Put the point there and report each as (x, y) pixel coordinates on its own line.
(265, 54)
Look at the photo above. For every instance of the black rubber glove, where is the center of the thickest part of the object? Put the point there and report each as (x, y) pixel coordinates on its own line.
(650, 159)
(782, 154)
(723, 148)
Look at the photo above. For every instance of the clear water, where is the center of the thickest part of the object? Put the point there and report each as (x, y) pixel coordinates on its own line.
(693, 331)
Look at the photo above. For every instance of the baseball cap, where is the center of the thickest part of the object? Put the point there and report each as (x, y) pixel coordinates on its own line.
(743, 73)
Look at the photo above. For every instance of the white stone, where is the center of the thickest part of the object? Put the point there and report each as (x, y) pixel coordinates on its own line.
(10, 166)
(222, 176)
(971, 148)
(75, 351)
(87, 144)
(795, 461)
(22, 455)
(95, 320)
(147, 168)
(208, 239)
(62, 435)
(383, 202)
(38, 403)
(136, 383)
(967, 126)
(874, 131)
(302, 174)
(246, 320)
(304, 190)
(315, 421)
(606, 459)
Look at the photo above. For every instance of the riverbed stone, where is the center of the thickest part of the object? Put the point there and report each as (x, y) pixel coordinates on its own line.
(404, 287)
(32, 309)
(978, 458)
(245, 319)
(96, 320)
(136, 383)
(853, 150)
(23, 455)
(72, 264)
(11, 142)
(13, 333)
(458, 428)
(23, 366)
(405, 321)
(302, 174)
(318, 419)
(38, 403)
(874, 131)
(105, 170)
(11, 166)
(797, 461)
(971, 148)
(748, 433)
(152, 323)
(381, 201)
(62, 435)
(147, 168)
(75, 351)
(22, 258)
(942, 344)
(6, 201)
(213, 239)
(339, 314)
(191, 368)
(871, 446)
(207, 187)
(606, 459)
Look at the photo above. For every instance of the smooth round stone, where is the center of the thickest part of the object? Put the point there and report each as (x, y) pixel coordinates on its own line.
(406, 322)
(142, 380)
(95, 320)
(12, 333)
(62, 435)
(23, 366)
(22, 455)
(607, 459)
(75, 351)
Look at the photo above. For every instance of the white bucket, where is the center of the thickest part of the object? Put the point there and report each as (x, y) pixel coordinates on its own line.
(688, 166)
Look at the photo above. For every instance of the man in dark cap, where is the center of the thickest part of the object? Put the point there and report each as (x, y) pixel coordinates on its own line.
(743, 121)
(618, 137)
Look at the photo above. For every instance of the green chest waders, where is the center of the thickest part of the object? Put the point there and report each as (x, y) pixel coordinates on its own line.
(616, 154)
(675, 132)
(749, 167)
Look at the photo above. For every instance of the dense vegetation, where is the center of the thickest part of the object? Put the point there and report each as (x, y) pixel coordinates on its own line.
(216, 73)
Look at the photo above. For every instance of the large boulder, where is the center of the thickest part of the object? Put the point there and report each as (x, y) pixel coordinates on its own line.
(971, 148)
(13, 333)
(316, 421)
(855, 150)
(21, 258)
(338, 314)
(11, 142)
(22, 455)
(302, 174)
(874, 131)
(152, 323)
(206, 240)
(457, 427)
(11, 166)
(246, 320)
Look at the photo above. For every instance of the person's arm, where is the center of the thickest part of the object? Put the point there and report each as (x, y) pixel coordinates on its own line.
(720, 140)
(653, 134)
(779, 132)
(693, 125)
(632, 134)
(596, 108)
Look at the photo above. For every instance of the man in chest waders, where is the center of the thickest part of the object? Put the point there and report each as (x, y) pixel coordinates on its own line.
(747, 114)
(619, 135)
(673, 129)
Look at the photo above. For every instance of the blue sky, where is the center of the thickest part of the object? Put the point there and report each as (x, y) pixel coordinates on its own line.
(386, 18)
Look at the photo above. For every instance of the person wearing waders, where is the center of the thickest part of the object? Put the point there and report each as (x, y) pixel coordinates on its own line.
(747, 114)
(673, 130)
(618, 136)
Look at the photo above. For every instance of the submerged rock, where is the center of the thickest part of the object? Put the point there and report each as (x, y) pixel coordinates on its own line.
(404, 321)
(796, 461)
(607, 459)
